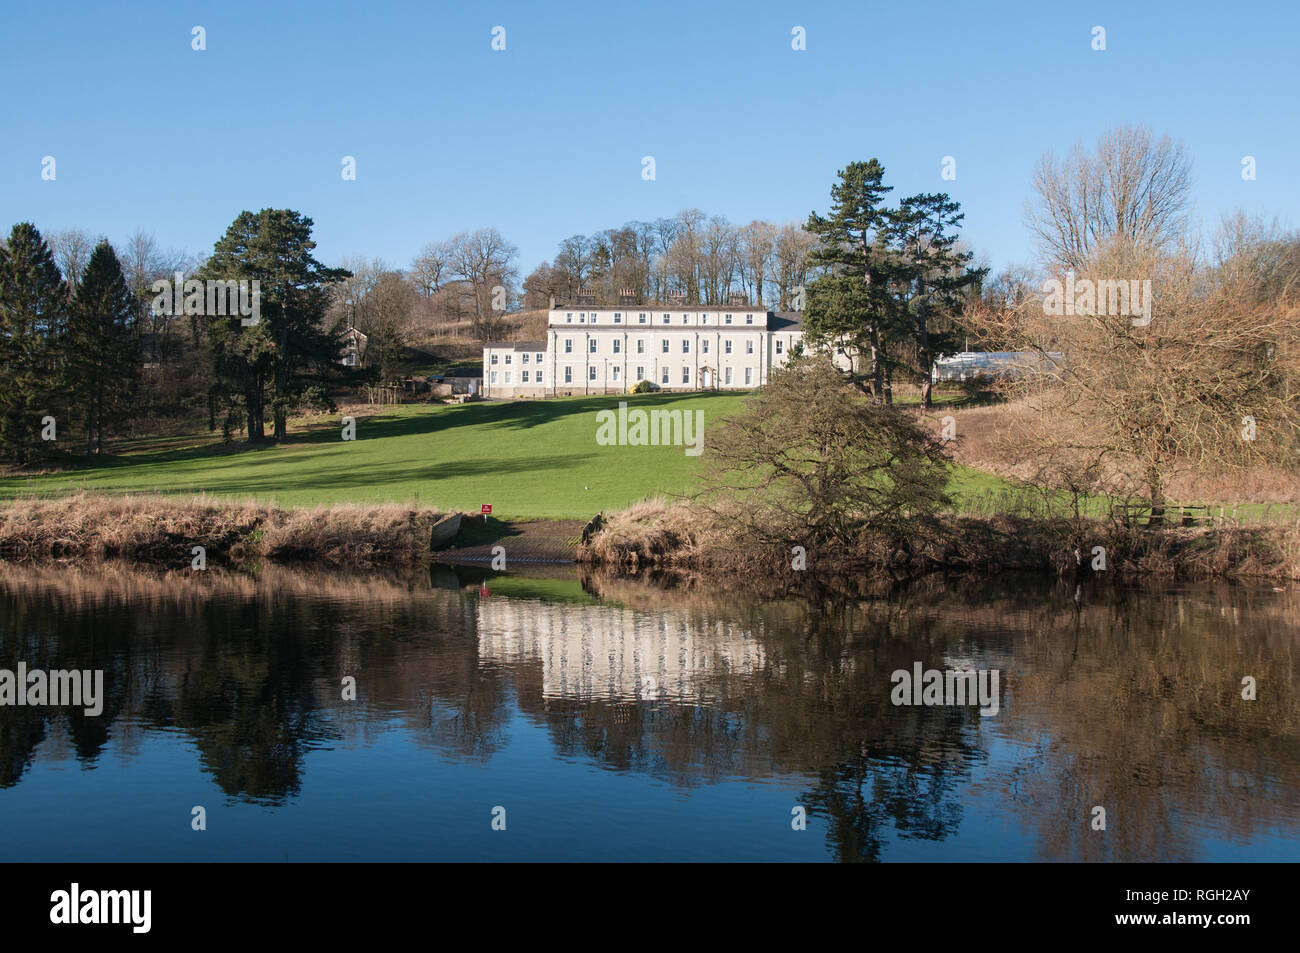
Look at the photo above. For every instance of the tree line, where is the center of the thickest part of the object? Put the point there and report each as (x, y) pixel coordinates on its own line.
(67, 350)
(702, 259)
(472, 278)
(87, 352)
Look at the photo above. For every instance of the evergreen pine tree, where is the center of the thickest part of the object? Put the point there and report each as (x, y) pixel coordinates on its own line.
(103, 358)
(935, 275)
(276, 360)
(849, 307)
(33, 320)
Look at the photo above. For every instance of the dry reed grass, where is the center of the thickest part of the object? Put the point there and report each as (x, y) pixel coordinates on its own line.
(161, 529)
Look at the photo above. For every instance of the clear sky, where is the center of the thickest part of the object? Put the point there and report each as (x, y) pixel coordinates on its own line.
(545, 139)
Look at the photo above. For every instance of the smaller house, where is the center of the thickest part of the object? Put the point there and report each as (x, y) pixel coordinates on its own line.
(515, 369)
(457, 381)
(354, 348)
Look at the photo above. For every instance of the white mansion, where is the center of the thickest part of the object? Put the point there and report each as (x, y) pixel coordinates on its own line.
(590, 349)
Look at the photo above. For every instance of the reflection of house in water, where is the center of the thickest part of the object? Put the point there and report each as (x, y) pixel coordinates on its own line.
(602, 651)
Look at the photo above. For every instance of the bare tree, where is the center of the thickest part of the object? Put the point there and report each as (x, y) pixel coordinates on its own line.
(718, 257)
(431, 268)
(143, 263)
(682, 257)
(1209, 385)
(756, 247)
(647, 236)
(542, 284)
(618, 264)
(574, 263)
(485, 261)
(387, 322)
(791, 263)
(71, 248)
(1010, 288)
(1259, 253)
(350, 294)
(666, 230)
(1131, 187)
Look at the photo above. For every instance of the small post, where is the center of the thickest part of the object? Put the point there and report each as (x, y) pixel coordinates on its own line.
(487, 508)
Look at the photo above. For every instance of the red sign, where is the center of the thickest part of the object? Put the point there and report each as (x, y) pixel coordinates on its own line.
(487, 508)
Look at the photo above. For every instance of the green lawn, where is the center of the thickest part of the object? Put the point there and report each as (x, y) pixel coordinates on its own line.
(528, 459)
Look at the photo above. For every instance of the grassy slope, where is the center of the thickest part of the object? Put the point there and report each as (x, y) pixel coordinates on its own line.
(528, 459)
(532, 459)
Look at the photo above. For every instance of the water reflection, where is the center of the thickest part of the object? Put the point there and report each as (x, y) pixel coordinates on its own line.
(1129, 699)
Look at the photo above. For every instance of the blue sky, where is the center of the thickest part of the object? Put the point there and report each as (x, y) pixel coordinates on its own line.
(546, 139)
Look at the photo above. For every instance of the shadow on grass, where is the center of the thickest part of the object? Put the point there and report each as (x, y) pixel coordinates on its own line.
(424, 421)
(513, 415)
(350, 476)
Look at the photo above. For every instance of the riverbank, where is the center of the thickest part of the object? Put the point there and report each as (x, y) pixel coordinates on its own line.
(680, 538)
(164, 531)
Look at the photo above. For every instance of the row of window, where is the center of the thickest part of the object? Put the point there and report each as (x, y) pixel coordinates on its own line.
(664, 346)
(523, 358)
(616, 373)
(523, 379)
(644, 318)
(640, 349)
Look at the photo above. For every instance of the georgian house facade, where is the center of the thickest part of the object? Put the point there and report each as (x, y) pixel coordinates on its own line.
(609, 350)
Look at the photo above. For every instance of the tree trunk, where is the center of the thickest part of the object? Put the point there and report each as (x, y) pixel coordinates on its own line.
(1156, 490)
(253, 401)
(877, 371)
(923, 358)
(278, 410)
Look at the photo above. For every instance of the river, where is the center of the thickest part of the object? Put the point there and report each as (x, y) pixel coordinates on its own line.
(460, 715)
